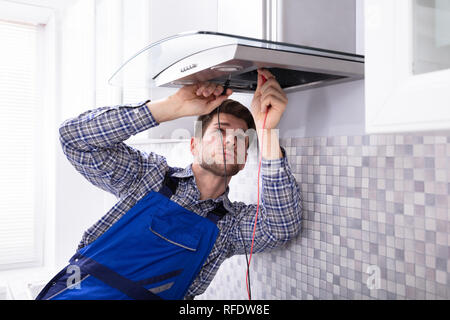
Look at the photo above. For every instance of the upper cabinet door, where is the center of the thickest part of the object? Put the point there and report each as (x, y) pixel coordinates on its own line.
(407, 72)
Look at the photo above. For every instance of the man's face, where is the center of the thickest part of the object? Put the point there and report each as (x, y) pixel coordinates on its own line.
(231, 139)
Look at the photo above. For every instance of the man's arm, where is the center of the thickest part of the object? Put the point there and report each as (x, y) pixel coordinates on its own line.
(279, 216)
(280, 211)
(94, 144)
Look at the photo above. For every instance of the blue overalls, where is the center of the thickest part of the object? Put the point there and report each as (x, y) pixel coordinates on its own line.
(154, 251)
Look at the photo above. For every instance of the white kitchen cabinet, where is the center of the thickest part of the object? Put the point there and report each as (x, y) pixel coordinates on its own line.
(407, 83)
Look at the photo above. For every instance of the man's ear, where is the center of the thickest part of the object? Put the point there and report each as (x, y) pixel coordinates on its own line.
(195, 149)
(192, 146)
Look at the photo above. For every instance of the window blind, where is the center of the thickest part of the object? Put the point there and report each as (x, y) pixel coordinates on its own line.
(18, 121)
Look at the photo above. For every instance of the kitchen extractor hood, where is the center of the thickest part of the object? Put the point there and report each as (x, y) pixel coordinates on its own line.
(192, 57)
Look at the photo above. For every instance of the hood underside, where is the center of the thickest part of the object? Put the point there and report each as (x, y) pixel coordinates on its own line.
(194, 57)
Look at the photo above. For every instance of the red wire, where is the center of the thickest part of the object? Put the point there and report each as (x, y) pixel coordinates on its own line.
(257, 204)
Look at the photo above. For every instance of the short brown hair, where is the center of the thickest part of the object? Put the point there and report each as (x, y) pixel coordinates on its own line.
(232, 107)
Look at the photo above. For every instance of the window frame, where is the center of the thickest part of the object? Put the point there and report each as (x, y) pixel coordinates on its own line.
(45, 19)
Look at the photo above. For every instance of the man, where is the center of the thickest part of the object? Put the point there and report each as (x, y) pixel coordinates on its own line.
(93, 143)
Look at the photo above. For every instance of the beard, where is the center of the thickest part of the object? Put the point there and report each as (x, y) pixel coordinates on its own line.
(218, 169)
(214, 162)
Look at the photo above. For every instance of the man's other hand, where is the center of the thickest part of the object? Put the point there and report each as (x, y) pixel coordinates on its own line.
(199, 99)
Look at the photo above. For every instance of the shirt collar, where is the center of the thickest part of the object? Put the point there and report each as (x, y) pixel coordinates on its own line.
(184, 173)
(188, 173)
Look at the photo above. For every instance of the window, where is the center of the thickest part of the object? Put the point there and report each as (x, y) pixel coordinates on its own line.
(19, 144)
(431, 35)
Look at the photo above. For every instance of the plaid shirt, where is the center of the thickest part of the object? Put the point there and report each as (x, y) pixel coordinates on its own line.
(93, 143)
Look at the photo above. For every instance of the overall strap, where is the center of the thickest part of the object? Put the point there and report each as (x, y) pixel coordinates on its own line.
(169, 188)
(112, 278)
(170, 184)
(217, 214)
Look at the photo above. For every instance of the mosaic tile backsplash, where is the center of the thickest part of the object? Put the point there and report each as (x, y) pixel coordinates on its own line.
(373, 205)
(376, 222)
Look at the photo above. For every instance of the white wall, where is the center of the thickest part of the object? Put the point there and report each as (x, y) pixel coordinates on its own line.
(320, 23)
(328, 111)
(77, 201)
